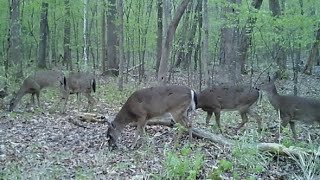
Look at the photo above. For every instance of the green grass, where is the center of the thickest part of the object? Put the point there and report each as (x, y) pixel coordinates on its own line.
(184, 163)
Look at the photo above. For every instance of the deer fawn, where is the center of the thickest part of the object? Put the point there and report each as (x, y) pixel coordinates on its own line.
(229, 98)
(292, 108)
(147, 103)
(34, 83)
(79, 82)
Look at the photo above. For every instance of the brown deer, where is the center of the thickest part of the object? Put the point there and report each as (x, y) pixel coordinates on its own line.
(34, 83)
(219, 98)
(292, 108)
(147, 103)
(79, 82)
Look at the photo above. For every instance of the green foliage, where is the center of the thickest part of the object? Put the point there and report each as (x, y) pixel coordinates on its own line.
(183, 164)
(245, 155)
(223, 166)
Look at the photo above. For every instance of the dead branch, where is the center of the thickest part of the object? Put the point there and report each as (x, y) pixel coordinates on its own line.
(132, 68)
(276, 148)
(216, 138)
(71, 120)
(92, 118)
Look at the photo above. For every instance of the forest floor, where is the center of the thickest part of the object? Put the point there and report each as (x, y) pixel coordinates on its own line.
(41, 143)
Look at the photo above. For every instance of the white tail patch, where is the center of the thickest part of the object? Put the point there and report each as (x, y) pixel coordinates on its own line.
(192, 103)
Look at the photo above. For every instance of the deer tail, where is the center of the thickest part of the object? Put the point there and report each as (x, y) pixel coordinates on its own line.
(65, 83)
(94, 85)
(194, 100)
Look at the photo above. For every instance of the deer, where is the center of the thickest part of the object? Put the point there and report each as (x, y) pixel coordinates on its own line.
(292, 108)
(76, 83)
(144, 104)
(34, 83)
(226, 97)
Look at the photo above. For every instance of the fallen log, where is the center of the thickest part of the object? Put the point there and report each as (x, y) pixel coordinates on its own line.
(273, 148)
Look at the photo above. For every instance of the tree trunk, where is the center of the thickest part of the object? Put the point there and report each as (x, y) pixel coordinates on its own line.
(191, 36)
(279, 53)
(197, 54)
(112, 39)
(43, 36)
(228, 47)
(159, 33)
(163, 68)
(103, 36)
(67, 36)
(313, 54)
(144, 41)
(121, 43)
(205, 41)
(15, 49)
(54, 57)
(246, 37)
(75, 25)
(85, 32)
(183, 36)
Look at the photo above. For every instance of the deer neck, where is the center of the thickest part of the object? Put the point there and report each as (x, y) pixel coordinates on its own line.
(120, 121)
(273, 97)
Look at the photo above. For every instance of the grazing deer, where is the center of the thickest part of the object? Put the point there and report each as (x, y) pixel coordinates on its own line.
(292, 108)
(147, 103)
(79, 82)
(34, 83)
(229, 98)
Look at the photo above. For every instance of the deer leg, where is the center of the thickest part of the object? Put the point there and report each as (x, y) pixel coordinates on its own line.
(139, 132)
(38, 98)
(209, 115)
(293, 129)
(32, 99)
(244, 119)
(65, 102)
(257, 117)
(284, 122)
(91, 101)
(188, 123)
(217, 115)
(78, 102)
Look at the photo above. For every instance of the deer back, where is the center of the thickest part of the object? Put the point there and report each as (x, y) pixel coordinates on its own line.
(81, 82)
(227, 97)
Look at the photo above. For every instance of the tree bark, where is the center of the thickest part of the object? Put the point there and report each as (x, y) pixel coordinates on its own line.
(246, 37)
(205, 41)
(163, 68)
(184, 36)
(313, 55)
(229, 46)
(54, 37)
(112, 39)
(191, 36)
(121, 43)
(15, 49)
(159, 33)
(103, 36)
(44, 29)
(67, 36)
(85, 33)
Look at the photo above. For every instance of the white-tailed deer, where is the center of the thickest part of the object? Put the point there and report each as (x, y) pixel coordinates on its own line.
(147, 103)
(292, 108)
(219, 98)
(79, 82)
(34, 83)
